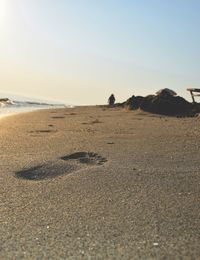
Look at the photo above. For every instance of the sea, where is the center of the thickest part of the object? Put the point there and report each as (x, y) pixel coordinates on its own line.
(10, 105)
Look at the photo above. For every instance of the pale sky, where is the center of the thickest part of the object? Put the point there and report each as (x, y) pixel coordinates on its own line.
(81, 51)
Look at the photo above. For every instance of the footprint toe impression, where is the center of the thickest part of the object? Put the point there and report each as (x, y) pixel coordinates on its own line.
(86, 158)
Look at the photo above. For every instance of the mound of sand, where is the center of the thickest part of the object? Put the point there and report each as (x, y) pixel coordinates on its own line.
(165, 102)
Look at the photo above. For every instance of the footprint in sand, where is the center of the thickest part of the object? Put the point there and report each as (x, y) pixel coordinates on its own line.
(72, 114)
(137, 118)
(93, 122)
(65, 165)
(57, 117)
(46, 171)
(97, 121)
(43, 131)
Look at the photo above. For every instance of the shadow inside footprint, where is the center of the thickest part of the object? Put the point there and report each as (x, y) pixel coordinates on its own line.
(46, 171)
(86, 158)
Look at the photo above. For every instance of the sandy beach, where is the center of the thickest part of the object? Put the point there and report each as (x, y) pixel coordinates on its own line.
(99, 183)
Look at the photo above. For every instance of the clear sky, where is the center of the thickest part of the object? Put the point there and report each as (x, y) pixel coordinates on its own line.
(81, 51)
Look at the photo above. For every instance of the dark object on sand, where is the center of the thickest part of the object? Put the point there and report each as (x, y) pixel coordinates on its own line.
(133, 102)
(111, 100)
(165, 102)
(192, 91)
(166, 92)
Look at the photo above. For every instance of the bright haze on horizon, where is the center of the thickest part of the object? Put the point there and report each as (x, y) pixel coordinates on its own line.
(81, 51)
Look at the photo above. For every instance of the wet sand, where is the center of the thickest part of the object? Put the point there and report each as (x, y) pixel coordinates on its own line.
(99, 183)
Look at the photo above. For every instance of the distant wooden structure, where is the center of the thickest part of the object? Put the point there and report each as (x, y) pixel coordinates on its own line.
(193, 92)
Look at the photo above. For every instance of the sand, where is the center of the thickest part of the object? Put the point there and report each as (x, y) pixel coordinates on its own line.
(99, 183)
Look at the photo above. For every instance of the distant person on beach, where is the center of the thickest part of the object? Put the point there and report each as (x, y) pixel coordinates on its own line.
(111, 100)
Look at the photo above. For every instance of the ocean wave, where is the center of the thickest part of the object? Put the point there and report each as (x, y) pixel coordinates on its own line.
(8, 106)
(6, 102)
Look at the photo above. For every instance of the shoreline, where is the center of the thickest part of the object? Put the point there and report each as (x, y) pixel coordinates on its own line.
(24, 110)
(93, 182)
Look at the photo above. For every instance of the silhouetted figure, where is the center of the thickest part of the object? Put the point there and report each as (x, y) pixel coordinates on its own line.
(111, 100)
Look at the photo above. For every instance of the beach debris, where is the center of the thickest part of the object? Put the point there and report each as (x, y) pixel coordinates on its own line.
(155, 244)
(193, 92)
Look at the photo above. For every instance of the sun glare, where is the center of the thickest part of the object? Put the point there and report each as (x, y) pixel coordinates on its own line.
(2, 9)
